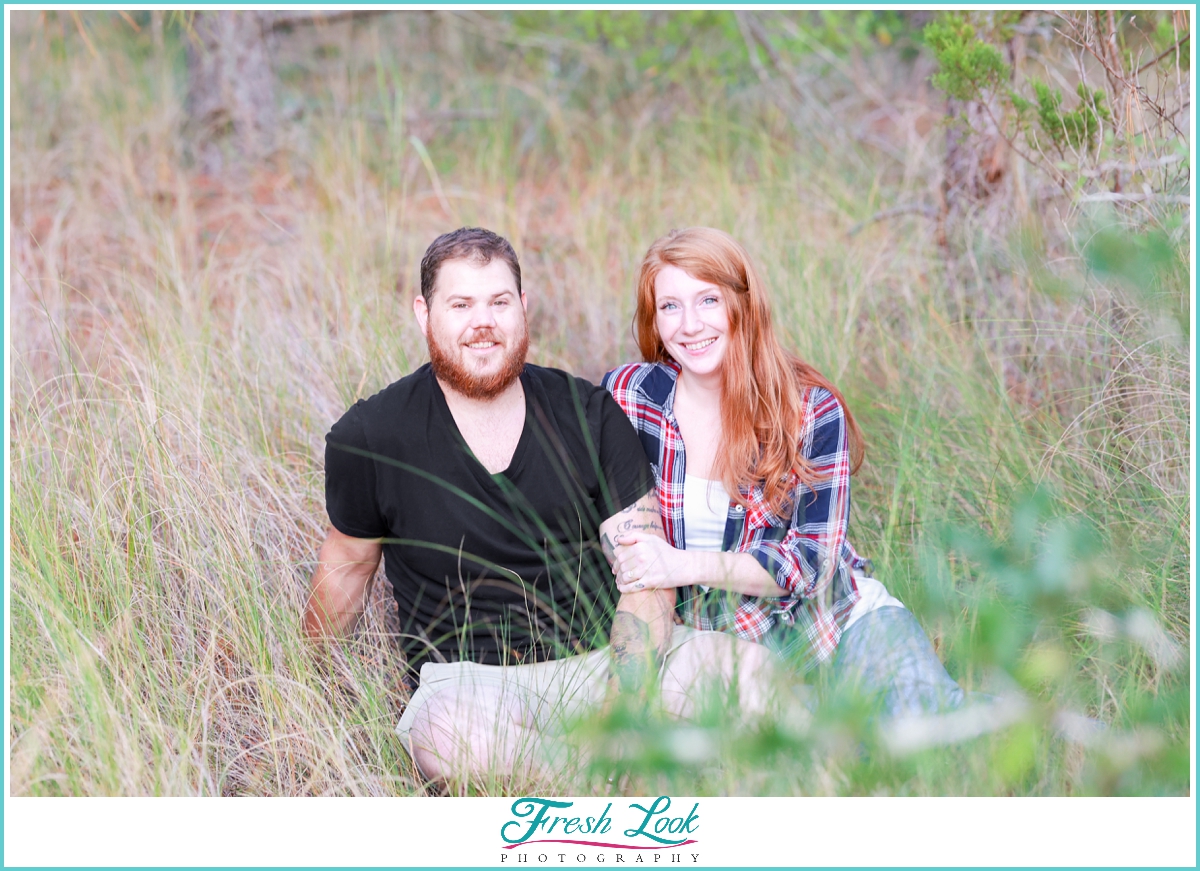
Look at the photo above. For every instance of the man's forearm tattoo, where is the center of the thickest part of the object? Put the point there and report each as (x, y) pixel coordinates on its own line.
(633, 659)
(630, 640)
(637, 519)
(640, 524)
(643, 519)
(610, 549)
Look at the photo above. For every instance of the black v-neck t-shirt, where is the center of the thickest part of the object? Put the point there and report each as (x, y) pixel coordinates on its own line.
(495, 569)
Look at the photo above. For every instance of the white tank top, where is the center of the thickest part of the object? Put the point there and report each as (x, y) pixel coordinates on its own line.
(705, 511)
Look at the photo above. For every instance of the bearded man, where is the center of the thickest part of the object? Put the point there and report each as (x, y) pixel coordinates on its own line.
(488, 485)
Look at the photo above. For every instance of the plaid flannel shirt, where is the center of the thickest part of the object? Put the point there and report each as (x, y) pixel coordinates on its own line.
(807, 553)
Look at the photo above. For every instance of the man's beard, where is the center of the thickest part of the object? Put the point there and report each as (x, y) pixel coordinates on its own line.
(451, 372)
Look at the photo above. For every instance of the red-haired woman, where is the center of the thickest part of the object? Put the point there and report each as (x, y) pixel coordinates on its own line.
(753, 450)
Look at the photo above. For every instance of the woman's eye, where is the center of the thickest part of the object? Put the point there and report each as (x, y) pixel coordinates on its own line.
(667, 306)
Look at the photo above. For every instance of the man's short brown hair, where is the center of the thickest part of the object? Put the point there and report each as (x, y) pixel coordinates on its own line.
(474, 244)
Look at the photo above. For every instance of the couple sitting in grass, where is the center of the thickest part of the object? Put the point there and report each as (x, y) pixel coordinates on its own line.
(550, 542)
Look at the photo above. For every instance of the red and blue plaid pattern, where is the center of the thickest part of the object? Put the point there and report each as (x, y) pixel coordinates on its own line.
(807, 553)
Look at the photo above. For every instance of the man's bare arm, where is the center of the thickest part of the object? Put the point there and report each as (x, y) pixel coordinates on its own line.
(641, 630)
(345, 566)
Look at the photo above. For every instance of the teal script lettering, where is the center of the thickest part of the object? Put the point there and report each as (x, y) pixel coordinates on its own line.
(537, 808)
(652, 827)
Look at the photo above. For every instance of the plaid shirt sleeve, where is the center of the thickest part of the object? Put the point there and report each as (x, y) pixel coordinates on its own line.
(805, 560)
(812, 558)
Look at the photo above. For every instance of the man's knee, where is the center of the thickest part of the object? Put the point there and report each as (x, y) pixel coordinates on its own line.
(718, 663)
(717, 653)
(464, 731)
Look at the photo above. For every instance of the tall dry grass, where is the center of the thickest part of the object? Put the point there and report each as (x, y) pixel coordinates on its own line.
(181, 343)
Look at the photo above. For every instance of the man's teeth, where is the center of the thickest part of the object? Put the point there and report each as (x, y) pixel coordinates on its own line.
(700, 345)
(480, 345)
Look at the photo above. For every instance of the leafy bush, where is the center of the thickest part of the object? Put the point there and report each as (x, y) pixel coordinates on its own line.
(968, 67)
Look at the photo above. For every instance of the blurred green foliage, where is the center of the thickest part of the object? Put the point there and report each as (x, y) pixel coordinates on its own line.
(1075, 129)
(680, 46)
(673, 45)
(1148, 265)
(664, 47)
(1058, 622)
(1038, 577)
(843, 31)
(1167, 33)
(1135, 258)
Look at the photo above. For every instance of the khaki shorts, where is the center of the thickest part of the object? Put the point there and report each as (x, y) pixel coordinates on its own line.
(550, 693)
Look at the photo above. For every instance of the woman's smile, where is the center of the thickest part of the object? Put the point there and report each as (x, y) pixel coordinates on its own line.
(692, 318)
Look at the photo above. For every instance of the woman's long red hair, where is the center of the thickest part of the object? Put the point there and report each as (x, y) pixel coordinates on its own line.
(761, 383)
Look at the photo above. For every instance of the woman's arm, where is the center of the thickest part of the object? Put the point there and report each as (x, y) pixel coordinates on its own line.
(645, 562)
(808, 555)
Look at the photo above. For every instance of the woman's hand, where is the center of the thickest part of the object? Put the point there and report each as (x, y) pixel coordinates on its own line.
(645, 562)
